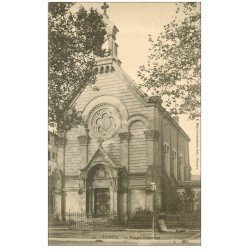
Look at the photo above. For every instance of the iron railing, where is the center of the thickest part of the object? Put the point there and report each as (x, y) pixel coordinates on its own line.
(133, 220)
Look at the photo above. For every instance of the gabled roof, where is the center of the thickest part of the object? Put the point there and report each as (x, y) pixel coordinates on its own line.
(99, 156)
(140, 95)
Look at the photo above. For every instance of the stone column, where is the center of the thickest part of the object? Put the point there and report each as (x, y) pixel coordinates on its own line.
(93, 201)
(182, 166)
(57, 202)
(82, 192)
(83, 141)
(83, 199)
(115, 204)
(152, 138)
(111, 202)
(82, 195)
(115, 212)
(124, 138)
(89, 201)
(128, 200)
(125, 206)
(174, 163)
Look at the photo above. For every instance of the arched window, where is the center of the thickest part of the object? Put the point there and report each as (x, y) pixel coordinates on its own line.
(174, 163)
(166, 159)
(180, 169)
(185, 172)
(137, 147)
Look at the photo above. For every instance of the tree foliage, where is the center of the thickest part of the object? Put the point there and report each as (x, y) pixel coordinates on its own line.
(75, 38)
(173, 67)
(187, 200)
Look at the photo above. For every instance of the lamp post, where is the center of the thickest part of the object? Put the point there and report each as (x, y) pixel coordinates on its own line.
(153, 189)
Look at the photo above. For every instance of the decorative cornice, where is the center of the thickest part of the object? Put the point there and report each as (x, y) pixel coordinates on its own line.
(143, 174)
(83, 140)
(82, 190)
(124, 136)
(137, 188)
(152, 135)
(105, 66)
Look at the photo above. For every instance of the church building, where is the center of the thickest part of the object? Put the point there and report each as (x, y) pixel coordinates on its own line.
(130, 142)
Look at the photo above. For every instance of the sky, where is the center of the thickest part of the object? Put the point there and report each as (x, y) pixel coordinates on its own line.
(135, 22)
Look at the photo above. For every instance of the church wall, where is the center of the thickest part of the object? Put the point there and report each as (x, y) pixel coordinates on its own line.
(173, 150)
(164, 146)
(140, 151)
(72, 197)
(177, 142)
(174, 140)
(111, 146)
(160, 120)
(73, 155)
(137, 199)
(179, 159)
(111, 84)
(72, 183)
(57, 202)
(137, 148)
(72, 201)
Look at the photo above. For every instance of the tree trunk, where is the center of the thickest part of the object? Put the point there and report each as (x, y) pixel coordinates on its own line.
(63, 201)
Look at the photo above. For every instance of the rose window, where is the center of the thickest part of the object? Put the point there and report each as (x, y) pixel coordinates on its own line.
(105, 121)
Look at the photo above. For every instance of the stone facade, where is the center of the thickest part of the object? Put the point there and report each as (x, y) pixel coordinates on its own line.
(129, 142)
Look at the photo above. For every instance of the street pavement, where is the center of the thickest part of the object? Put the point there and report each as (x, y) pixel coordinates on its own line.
(65, 236)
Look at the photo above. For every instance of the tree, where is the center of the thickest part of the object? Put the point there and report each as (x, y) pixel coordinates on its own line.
(187, 200)
(174, 63)
(74, 41)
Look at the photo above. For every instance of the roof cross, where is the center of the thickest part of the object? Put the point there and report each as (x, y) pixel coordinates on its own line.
(105, 7)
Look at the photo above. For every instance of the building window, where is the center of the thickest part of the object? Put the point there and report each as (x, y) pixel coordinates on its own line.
(166, 160)
(49, 155)
(180, 168)
(174, 163)
(185, 172)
